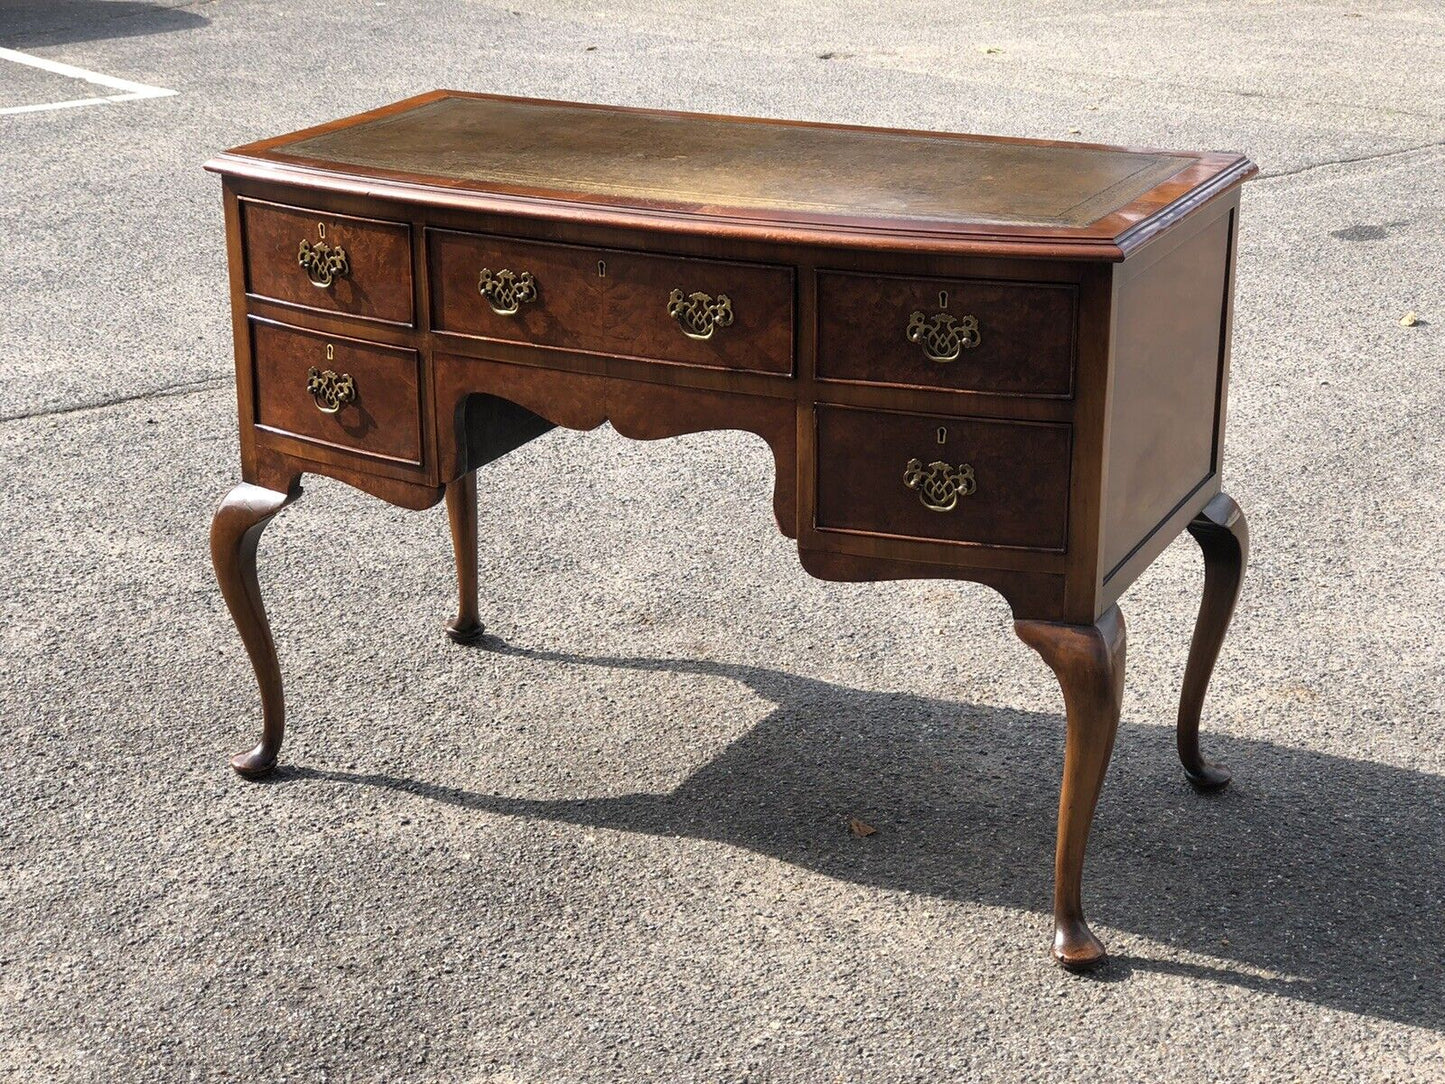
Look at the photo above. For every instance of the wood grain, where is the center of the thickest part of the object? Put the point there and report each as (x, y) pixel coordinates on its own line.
(377, 287)
(235, 534)
(1089, 663)
(568, 310)
(1026, 333)
(639, 410)
(1223, 535)
(466, 627)
(384, 421)
(613, 301)
(1022, 473)
(759, 338)
(1168, 367)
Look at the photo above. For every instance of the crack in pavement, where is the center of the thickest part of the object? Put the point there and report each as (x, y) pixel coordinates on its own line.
(1400, 152)
(164, 392)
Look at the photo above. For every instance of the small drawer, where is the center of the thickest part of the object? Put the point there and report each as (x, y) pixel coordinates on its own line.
(334, 263)
(1001, 338)
(516, 291)
(702, 312)
(693, 312)
(336, 391)
(948, 479)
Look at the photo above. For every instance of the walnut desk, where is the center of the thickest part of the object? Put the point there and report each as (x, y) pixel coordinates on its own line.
(989, 359)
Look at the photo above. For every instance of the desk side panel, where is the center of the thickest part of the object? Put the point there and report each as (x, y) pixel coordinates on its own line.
(240, 332)
(1169, 378)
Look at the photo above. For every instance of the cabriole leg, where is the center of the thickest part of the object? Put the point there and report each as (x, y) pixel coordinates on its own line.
(1089, 663)
(466, 627)
(1223, 535)
(235, 533)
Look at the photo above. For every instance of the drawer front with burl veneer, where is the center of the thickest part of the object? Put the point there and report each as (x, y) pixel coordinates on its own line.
(333, 263)
(944, 479)
(1001, 338)
(708, 313)
(514, 291)
(338, 392)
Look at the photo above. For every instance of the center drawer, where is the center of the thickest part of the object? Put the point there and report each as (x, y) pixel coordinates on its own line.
(710, 313)
(945, 479)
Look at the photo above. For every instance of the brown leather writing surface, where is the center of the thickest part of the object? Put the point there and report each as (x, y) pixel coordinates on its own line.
(745, 164)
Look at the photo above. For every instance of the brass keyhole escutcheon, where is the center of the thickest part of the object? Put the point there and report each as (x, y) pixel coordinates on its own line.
(943, 337)
(507, 291)
(939, 485)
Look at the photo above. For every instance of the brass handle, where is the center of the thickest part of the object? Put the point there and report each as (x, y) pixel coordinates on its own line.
(940, 484)
(330, 389)
(322, 263)
(699, 314)
(944, 337)
(507, 291)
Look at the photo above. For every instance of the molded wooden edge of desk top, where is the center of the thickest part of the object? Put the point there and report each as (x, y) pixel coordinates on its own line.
(1111, 237)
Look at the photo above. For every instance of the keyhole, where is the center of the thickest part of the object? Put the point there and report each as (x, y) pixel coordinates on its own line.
(321, 230)
(942, 434)
(331, 356)
(602, 269)
(943, 299)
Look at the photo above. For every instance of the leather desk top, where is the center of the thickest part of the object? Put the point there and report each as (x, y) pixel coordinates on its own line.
(1084, 199)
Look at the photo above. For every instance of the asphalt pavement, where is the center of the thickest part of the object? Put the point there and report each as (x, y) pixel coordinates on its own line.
(610, 845)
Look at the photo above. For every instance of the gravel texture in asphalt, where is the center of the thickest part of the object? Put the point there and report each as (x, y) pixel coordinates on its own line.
(610, 844)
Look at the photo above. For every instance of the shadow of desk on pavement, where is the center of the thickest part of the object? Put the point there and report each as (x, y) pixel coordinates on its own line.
(1313, 877)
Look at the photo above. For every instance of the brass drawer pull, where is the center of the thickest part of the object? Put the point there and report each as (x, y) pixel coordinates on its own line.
(322, 263)
(940, 484)
(330, 389)
(699, 315)
(507, 291)
(944, 337)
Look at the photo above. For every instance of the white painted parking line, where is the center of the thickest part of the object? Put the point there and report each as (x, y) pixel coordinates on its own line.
(129, 91)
